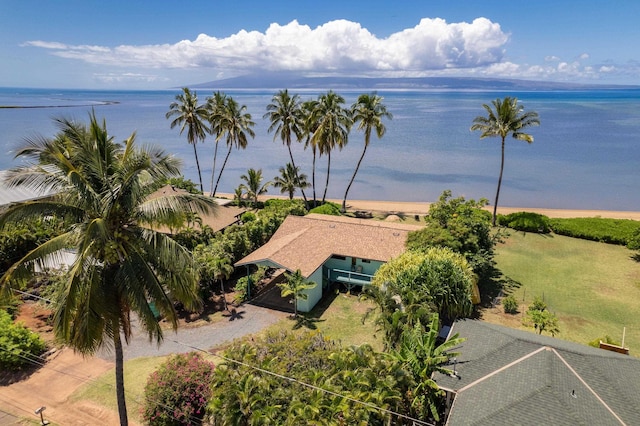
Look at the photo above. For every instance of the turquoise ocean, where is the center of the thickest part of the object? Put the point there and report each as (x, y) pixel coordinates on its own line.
(586, 153)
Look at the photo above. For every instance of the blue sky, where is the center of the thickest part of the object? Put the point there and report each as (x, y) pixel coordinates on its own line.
(163, 44)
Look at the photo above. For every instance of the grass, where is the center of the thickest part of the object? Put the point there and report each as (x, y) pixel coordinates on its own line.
(339, 317)
(593, 288)
(102, 390)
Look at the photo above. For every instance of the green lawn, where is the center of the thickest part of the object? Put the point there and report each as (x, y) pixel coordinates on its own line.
(338, 317)
(102, 391)
(593, 288)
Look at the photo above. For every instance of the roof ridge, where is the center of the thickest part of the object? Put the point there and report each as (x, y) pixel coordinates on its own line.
(585, 384)
(504, 367)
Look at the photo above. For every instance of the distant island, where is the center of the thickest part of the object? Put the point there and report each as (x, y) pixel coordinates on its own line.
(296, 81)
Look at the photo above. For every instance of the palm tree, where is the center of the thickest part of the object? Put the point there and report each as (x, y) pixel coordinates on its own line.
(295, 286)
(420, 353)
(223, 269)
(368, 111)
(216, 106)
(123, 265)
(310, 124)
(234, 122)
(254, 185)
(506, 118)
(188, 114)
(285, 114)
(290, 178)
(334, 123)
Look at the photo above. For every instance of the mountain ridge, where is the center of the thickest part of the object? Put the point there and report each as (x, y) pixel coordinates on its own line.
(293, 81)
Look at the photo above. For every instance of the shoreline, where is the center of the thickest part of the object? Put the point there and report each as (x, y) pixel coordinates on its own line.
(422, 208)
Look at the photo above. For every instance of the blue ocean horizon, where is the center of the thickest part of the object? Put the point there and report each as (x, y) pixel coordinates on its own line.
(584, 156)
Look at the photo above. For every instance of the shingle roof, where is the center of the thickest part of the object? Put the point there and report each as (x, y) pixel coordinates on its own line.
(514, 377)
(306, 242)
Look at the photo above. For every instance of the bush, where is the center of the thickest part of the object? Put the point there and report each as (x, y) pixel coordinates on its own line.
(510, 305)
(247, 217)
(606, 339)
(329, 208)
(537, 305)
(179, 391)
(19, 344)
(526, 222)
(612, 231)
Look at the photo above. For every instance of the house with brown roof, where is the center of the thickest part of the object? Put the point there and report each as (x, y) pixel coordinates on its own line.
(328, 249)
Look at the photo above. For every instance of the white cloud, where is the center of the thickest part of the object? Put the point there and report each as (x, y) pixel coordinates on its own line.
(336, 46)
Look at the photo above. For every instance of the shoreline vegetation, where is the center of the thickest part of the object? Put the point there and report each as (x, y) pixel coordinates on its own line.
(422, 208)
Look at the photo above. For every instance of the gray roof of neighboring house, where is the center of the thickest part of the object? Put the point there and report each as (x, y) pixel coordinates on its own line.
(19, 193)
(306, 242)
(514, 377)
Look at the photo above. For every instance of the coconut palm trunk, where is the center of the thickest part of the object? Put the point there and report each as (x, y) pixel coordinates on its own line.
(495, 205)
(222, 170)
(355, 172)
(304, 196)
(313, 179)
(120, 395)
(213, 172)
(326, 186)
(195, 152)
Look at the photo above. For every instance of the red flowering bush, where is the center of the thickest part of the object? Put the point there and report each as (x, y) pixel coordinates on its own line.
(177, 393)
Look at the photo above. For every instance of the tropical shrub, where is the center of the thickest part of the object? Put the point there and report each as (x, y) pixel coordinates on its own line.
(16, 240)
(244, 395)
(247, 217)
(327, 208)
(416, 284)
(178, 392)
(284, 207)
(19, 346)
(526, 222)
(540, 318)
(510, 305)
(613, 231)
(464, 227)
(606, 339)
(538, 304)
(183, 183)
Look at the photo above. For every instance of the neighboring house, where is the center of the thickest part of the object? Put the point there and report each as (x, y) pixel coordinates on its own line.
(225, 216)
(20, 193)
(331, 249)
(505, 376)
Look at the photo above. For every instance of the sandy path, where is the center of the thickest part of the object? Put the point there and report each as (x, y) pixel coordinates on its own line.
(63, 374)
(421, 208)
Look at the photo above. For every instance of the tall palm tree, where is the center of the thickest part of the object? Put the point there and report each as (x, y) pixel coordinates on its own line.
(122, 264)
(285, 114)
(310, 124)
(334, 123)
(234, 122)
(186, 112)
(506, 118)
(254, 185)
(216, 106)
(290, 179)
(368, 111)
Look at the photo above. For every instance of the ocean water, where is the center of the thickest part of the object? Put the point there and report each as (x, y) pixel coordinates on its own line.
(586, 153)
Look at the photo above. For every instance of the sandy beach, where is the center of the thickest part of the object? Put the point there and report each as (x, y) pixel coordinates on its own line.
(421, 208)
